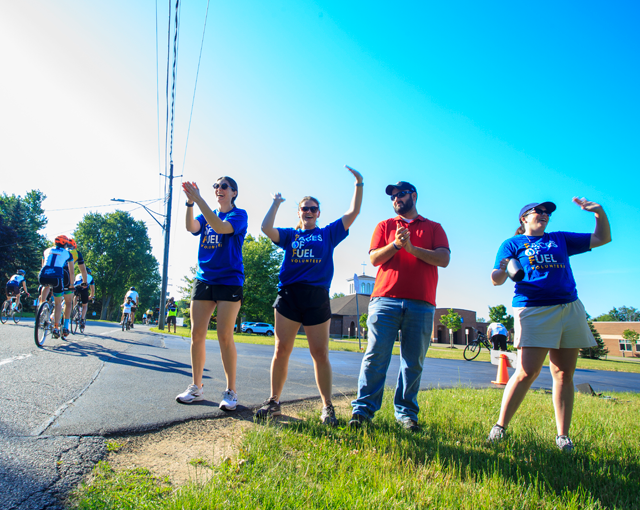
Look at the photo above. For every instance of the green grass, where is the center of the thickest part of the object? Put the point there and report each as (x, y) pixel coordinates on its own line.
(439, 351)
(446, 465)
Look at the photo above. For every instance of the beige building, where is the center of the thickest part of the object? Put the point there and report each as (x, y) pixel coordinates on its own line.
(611, 334)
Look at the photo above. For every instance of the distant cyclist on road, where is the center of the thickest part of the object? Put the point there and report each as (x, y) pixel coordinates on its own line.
(127, 306)
(149, 316)
(82, 292)
(57, 266)
(134, 299)
(13, 286)
(78, 259)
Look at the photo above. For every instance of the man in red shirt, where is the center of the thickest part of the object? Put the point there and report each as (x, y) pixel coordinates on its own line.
(407, 250)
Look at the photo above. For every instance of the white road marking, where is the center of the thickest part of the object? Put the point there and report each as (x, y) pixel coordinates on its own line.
(15, 358)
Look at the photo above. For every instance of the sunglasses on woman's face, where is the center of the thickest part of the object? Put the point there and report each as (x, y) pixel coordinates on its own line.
(313, 209)
(400, 194)
(537, 210)
(224, 186)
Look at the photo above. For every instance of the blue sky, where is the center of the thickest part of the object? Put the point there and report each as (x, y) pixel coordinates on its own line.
(483, 108)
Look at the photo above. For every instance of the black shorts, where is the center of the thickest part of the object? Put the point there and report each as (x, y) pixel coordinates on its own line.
(83, 293)
(13, 290)
(171, 319)
(307, 304)
(203, 291)
(56, 279)
(499, 342)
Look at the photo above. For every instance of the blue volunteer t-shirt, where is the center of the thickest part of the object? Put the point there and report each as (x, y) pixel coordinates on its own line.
(308, 255)
(220, 255)
(548, 277)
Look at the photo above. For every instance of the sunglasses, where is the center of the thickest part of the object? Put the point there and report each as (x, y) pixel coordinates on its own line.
(224, 186)
(400, 194)
(313, 209)
(537, 210)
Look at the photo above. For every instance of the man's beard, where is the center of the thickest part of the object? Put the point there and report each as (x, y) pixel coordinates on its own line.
(403, 207)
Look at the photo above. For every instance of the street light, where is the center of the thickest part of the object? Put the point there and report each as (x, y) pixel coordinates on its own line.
(165, 265)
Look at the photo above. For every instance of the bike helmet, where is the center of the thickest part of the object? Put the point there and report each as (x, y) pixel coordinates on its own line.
(61, 240)
(88, 271)
(132, 288)
(72, 243)
(21, 272)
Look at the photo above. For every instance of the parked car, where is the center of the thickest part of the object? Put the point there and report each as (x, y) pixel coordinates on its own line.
(259, 328)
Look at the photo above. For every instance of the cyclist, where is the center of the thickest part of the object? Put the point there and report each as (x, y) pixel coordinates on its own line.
(134, 299)
(127, 306)
(82, 292)
(57, 266)
(78, 259)
(13, 286)
(149, 316)
(172, 313)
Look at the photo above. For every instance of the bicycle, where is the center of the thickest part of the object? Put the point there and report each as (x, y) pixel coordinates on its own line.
(76, 319)
(9, 309)
(472, 350)
(44, 324)
(126, 323)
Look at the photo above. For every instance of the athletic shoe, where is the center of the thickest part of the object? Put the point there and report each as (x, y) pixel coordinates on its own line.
(357, 421)
(55, 333)
(328, 416)
(409, 424)
(496, 434)
(191, 394)
(564, 443)
(229, 400)
(269, 409)
(65, 333)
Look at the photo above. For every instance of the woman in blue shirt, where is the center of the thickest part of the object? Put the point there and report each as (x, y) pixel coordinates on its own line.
(549, 317)
(303, 293)
(218, 282)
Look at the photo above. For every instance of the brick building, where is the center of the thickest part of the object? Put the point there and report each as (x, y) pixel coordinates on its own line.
(611, 334)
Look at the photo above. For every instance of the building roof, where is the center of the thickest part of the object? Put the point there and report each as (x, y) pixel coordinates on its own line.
(347, 305)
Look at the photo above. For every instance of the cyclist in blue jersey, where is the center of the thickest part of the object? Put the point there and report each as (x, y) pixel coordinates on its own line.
(78, 260)
(217, 284)
(57, 266)
(81, 291)
(549, 317)
(303, 293)
(13, 286)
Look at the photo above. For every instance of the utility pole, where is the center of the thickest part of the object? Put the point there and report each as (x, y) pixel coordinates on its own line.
(165, 263)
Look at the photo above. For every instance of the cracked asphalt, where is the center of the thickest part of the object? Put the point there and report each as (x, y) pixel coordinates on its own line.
(59, 403)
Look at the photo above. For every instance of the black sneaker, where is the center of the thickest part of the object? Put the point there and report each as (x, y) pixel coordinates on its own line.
(409, 424)
(357, 420)
(55, 333)
(328, 416)
(269, 409)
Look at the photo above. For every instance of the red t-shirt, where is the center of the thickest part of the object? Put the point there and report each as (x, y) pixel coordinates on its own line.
(404, 276)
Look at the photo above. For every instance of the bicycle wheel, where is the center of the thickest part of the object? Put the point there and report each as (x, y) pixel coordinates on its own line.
(17, 314)
(4, 313)
(471, 351)
(76, 313)
(43, 324)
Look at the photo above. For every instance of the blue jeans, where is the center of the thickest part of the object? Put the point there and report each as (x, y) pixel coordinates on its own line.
(414, 319)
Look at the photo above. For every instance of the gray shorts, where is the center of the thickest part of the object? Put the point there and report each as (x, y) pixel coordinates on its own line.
(553, 327)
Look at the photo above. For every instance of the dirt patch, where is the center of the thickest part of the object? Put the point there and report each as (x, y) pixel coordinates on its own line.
(181, 451)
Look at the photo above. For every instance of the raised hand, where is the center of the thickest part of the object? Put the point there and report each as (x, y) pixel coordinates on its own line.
(278, 198)
(587, 205)
(355, 173)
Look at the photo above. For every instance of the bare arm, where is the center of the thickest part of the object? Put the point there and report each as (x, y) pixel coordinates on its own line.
(499, 276)
(193, 195)
(602, 233)
(270, 218)
(351, 215)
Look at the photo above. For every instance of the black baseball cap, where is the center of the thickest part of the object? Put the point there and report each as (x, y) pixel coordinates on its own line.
(401, 186)
(550, 206)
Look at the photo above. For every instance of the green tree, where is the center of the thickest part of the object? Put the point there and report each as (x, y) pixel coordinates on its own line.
(498, 313)
(21, 218)
(118, 251)
(597, 352)
(622, 314)
(262, 260)
(363, 323)
(337, 295)
(453, 322)
(631, 336)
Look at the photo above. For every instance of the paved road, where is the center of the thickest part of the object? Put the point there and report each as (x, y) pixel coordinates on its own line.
(59, 402)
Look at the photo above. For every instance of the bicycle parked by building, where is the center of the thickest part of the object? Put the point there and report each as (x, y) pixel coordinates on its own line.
(472, 350)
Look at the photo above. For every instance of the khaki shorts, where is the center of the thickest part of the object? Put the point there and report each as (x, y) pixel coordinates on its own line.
(553, 327)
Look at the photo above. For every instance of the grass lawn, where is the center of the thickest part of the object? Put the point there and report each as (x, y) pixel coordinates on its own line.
(446, 465)
(435, 351)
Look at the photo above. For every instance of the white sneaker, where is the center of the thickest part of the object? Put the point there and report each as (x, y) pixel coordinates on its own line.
(192, 394)
(229, 400)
